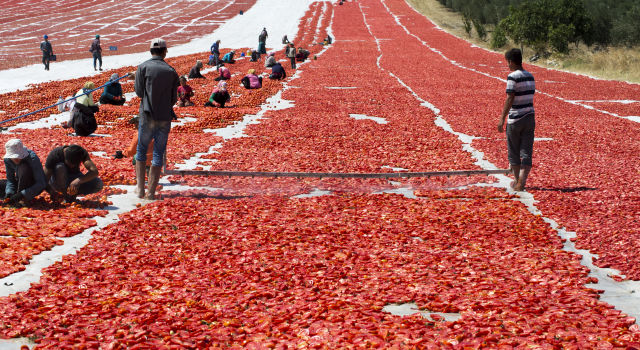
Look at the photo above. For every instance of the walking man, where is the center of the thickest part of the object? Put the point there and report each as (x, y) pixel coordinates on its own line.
(157, 85)
(97, 52)
(521, 122)
(47, 51)
(215, 51)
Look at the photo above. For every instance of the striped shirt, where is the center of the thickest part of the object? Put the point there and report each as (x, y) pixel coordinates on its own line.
(523, 85)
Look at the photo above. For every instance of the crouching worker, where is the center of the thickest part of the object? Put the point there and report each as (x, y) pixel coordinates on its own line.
(270, 61)
(225, 74)
(228, 58)
(302, 55)
(83, 120)
(112, 93)
(219, 97)
(251, 80)
(277, 72)
(185, 92)
(25, 178)
(63, 176)
(194, 73)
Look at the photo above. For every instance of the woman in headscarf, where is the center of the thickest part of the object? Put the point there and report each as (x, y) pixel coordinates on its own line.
(270, 61)
(112, 93)
(194, 73)
(219, 97)
(225, 74)
(228, 58)
(83, 120)
(251, 80)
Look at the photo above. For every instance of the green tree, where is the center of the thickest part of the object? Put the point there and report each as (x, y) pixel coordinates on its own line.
(498, 38)
(466, 23)
(480, 29)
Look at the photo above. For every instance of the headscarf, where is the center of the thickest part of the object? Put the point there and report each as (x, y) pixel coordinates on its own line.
(252, 71)
(199, 64)
(114, 76)
(222, 86)
(88, 86)
(272, 53)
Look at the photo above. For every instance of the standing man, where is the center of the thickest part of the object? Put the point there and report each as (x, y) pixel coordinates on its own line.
(47, 51)
(521, 123)
(97, 51)
(157, 85)
(291, 53)
(215, 51)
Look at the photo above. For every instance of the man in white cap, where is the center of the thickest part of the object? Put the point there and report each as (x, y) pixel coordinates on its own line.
(157, 85)
(25, 177)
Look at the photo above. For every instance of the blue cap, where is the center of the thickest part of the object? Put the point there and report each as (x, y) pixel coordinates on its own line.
(46, 36)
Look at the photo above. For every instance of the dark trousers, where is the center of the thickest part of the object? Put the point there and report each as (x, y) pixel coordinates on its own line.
(247, 84)
(24, 175)
(108, 101)
(45, 61)
(275, 76)
(61, 180)
(293, 62)
(520, 140)
(97, 56)
(220, 78)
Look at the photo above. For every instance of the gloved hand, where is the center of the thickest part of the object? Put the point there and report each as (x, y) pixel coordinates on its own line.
(16, 198)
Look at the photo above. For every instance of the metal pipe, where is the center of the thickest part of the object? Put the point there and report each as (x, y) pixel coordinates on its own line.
(337, 175)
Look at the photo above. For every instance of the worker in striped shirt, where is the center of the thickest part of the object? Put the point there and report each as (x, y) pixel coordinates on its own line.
(520, 118)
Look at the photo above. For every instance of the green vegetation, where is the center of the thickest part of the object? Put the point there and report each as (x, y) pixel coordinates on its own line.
(553, 24)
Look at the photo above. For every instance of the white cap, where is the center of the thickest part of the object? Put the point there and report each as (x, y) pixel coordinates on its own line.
(158, 43)
(15, 149)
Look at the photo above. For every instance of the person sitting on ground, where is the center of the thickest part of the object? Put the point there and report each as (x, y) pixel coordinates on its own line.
(255, 56)
(278, 72)
(63, 176)
(302, 55)
(25, 178)
(194, 73)
(112, 93)
(83, 120)
(329, 39)
(285, 40)
(225, 74)
(132, 150)
(228, 58)
(219, 97)
(271, 60)
(251, 80)
(185, 92)
(521, 122)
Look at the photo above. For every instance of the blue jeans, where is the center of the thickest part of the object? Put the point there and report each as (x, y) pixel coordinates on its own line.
(97, 56)
(61, 179)
(158, 131)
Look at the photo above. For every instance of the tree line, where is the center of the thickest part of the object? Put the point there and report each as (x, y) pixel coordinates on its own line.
(552, 24)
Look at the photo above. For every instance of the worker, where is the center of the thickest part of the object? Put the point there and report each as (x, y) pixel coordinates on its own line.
(263, 36)
(291, 53)
(219, 97)
(278, 72)
(112, 93)
(215, 53)
(63, 176)
(82, 119)
(228, 58)
(194, 73)
(47, 51)
(97, 51)
(251, 80)
(262, 48)
(302, 55)
(225, 74)
(185, 92)
(285, 40)
(25, 178)
(255, 56)
(271, 60)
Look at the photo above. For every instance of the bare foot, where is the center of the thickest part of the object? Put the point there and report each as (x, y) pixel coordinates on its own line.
(139, 193)
(150, 197)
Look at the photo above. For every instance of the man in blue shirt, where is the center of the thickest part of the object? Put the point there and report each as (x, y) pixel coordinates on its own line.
(215, 52)
(25, 177)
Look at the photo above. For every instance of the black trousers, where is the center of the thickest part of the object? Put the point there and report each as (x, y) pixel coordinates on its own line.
(220, 78)
(107, 101)
(45, 61)
(293, 62)
(247, 84)
(25, 177)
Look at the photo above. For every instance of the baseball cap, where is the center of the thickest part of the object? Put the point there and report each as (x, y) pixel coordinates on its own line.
(15, 149)
(46, 36)
(158, 43)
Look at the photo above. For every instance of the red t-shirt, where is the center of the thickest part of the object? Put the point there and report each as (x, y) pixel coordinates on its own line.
(188, 92)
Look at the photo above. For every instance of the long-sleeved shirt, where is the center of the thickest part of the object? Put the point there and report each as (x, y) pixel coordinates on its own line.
(157, 85)
(270, 62)
(132, 150)
(215, 48)
(112, 90)
(95, 46)
(12, 182)
(86, 100)
(46, 48)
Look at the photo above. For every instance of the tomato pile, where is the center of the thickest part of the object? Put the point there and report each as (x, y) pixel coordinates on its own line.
(183, 21)
(272, 271)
